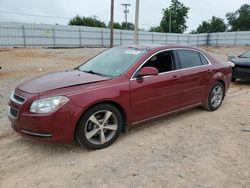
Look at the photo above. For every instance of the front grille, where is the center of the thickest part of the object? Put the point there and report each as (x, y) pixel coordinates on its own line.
(13, 112)
(17, 98)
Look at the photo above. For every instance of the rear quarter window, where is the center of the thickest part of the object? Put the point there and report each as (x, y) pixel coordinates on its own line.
(189, 58)
(203, 59)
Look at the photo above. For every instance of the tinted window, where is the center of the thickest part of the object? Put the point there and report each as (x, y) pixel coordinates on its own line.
(189, 58)
(203, 59)
(163, 62)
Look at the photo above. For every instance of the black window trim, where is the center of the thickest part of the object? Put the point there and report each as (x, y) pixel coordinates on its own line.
(180, 69)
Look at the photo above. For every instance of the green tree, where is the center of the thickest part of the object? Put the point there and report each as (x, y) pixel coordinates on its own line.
(204, 27)
(179, 16)
(86, 21)
(156, 29)
(128, 26)
(214, 25)
(240, 19)
(116, 25)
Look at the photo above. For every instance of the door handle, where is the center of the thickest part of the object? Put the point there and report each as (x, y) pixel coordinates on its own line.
(209, 70)
(175, 77)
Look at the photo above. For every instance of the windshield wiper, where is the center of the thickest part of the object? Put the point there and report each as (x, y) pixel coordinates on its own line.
(93, 72)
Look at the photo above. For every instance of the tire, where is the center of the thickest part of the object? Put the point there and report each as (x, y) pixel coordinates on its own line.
(215, 97)
(99, 127)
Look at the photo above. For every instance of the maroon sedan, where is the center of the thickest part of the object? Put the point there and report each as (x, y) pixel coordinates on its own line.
(115, 90)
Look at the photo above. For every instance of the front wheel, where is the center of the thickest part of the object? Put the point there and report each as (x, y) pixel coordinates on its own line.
(99, 127)
(215, 97)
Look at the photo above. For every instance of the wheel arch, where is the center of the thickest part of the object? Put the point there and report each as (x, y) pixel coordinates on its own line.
(224, 86)
(115, 104)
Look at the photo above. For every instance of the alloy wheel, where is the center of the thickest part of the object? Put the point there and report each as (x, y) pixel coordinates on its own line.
(101, 127)
(216, 96)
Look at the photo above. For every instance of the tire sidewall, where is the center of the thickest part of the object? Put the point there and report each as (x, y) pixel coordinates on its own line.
(80, 131)
(209, 104)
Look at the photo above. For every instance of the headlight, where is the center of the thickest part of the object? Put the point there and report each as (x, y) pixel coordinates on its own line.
(48, 105)
(231, 63)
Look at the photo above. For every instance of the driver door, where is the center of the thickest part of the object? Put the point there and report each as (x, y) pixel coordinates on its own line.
(156, 95)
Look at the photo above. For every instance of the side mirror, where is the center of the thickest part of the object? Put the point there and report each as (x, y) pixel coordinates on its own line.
(147, 71)
(232, 56)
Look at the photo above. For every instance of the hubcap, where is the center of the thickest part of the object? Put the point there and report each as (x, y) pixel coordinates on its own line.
(216, 96)
(101, 127)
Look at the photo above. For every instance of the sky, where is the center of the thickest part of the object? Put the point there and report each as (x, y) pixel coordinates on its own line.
(150, 10)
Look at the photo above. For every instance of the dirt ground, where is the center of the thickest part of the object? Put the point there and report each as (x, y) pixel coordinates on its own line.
(197, 149)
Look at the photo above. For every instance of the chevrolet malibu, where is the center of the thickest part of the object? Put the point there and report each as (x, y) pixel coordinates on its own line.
(115, 90)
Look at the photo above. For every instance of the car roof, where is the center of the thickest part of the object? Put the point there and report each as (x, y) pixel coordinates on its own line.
(159, 47)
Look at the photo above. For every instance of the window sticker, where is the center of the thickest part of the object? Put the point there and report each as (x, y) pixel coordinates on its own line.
(133, 52)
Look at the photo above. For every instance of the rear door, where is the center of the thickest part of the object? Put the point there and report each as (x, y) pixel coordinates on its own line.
(195, 77)
(156, 95)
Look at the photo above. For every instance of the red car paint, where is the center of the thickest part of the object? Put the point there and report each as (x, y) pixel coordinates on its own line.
(137, 99)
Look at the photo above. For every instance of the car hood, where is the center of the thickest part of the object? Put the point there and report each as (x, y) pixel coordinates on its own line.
(58, 80)
(241, 61)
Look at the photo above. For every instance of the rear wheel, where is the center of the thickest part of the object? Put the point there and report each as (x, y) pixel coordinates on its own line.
(215, 97)
(99, 127)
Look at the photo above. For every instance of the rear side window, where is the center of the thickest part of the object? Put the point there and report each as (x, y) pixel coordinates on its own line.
(203, 59)
(189, 58)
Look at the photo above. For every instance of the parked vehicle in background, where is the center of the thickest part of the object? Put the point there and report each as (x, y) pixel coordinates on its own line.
(115, 90)
(240, 65)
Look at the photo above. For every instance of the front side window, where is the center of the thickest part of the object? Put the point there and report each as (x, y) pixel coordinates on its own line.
(189, 58)
(113, 62)
(163, 62)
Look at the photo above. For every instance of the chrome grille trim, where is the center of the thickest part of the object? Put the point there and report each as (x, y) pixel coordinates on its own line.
(14, 99)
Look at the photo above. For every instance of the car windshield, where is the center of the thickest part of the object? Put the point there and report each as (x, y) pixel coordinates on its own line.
(112, 62)
(246, 54)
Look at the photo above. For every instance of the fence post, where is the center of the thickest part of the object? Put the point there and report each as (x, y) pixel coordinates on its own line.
(102, 38)
(24, 37)
(188, 40)
(152, 38)
(208, 39)
(217, 39)
(177, 39)
(235, 39)
(166, 38)
(197, 40)
(80, 38)
(54, 38)
(120, 37)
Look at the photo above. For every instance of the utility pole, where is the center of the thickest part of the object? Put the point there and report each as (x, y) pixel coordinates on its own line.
(136, 21)
(112, 24)
(170, 20)
(126, 11)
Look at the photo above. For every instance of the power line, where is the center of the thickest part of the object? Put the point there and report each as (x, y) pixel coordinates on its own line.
(34, 15)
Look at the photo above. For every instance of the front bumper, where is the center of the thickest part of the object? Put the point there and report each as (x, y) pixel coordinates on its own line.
(57, 127)
(241, 73)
